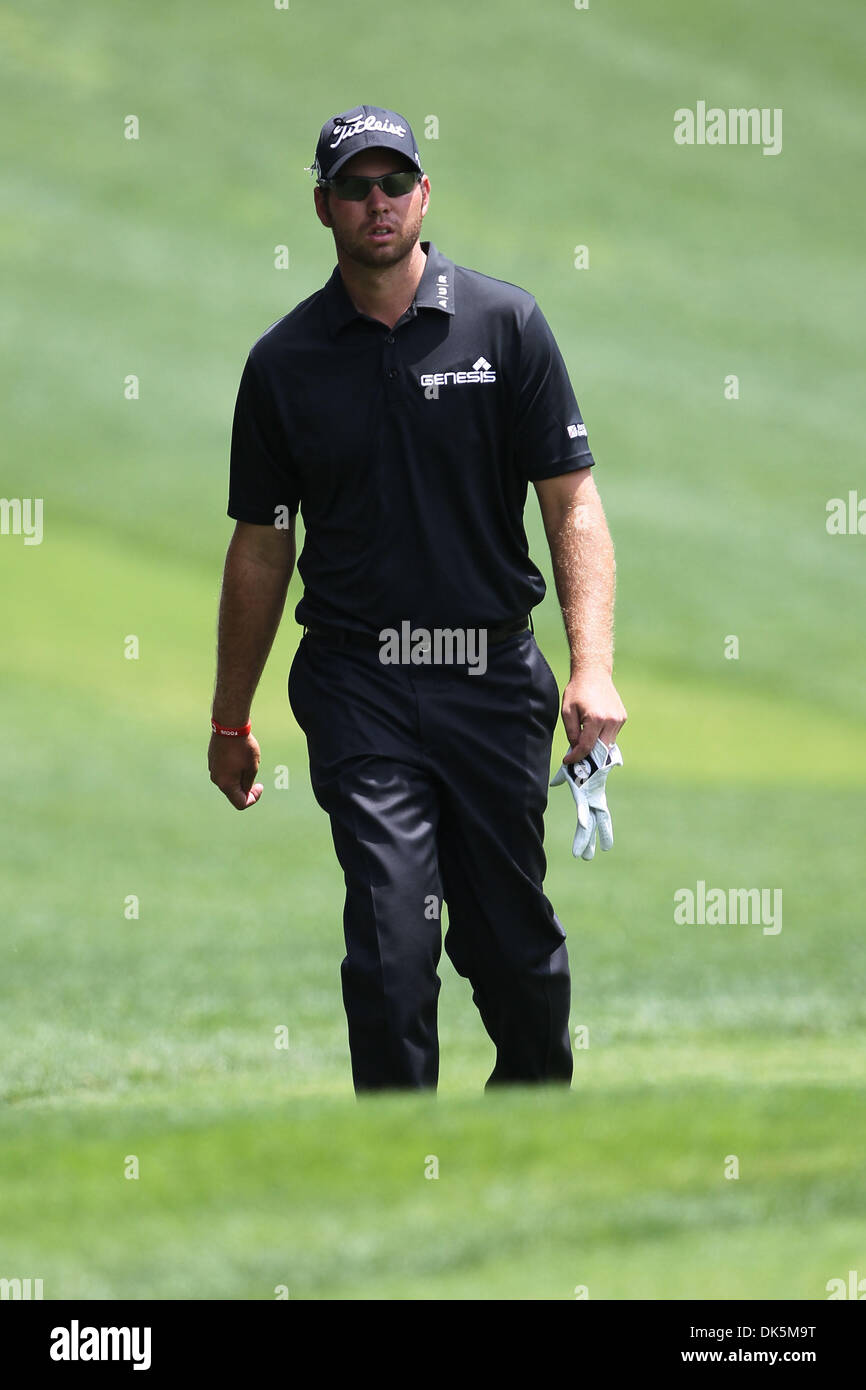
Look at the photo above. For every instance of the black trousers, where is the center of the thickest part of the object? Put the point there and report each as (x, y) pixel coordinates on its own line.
(435, 782)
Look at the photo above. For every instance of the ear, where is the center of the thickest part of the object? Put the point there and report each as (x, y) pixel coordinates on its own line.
(321, 202)
(425, 195)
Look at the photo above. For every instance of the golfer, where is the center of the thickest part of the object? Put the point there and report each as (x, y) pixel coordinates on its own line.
(404, 409)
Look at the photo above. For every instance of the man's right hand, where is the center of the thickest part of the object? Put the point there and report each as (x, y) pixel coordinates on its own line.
(233, 764)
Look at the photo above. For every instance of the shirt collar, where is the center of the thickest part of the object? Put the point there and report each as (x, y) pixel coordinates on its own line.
(435, 291)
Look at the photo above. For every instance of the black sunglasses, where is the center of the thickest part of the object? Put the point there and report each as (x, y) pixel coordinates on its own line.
(354, 188)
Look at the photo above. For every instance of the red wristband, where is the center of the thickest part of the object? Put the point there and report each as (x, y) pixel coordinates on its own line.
(230, 733)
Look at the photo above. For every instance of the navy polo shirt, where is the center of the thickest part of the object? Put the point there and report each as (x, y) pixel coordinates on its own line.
(408, 450)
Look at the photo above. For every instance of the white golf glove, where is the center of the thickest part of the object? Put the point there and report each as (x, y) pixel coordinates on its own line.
(587, 782)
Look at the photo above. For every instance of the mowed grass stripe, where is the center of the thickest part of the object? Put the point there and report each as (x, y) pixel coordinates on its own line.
(220, 1209)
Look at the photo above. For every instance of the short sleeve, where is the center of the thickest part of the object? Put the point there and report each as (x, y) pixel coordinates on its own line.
(262, 477)
(549, 430)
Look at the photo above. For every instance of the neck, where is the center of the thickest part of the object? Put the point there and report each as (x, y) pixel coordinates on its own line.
(383, 294)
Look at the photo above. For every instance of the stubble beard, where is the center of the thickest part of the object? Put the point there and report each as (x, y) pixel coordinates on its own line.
(381, 258)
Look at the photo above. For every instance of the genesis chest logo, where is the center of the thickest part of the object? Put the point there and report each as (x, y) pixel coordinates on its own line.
(481, 372)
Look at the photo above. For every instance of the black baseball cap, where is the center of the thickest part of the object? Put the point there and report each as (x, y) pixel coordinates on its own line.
(362, 128)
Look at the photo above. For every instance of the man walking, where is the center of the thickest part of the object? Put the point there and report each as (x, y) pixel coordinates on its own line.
(404, 408)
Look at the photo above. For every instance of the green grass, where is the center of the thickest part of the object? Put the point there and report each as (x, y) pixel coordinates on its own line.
(535, 1194)
(155, 1036)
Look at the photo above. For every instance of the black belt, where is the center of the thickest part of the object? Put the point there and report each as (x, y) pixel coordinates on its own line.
(349, 637)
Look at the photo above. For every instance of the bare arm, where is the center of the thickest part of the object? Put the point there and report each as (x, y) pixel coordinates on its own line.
(258, 567)
(584, 571)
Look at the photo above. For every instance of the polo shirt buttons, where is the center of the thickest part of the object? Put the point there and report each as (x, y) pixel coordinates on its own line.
(392, 372)
(390, 338)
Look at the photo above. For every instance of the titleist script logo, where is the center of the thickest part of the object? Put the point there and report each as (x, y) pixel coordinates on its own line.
(358, 124)
(481, 371)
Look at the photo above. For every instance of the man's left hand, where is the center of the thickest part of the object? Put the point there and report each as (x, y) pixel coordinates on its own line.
(591, 710)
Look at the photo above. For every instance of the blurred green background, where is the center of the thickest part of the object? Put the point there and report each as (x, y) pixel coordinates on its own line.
(155, 1037)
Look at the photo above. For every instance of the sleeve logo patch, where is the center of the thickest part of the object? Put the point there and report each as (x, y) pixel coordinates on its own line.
(574, 431)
